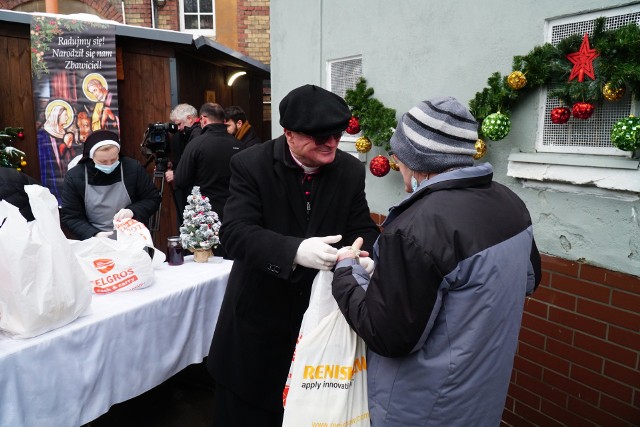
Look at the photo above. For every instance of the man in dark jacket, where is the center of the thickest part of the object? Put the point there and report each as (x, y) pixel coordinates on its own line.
(283, 193)
(205, 161)
(12, 184)
(442, 311)
(186, 117)
(238, 126)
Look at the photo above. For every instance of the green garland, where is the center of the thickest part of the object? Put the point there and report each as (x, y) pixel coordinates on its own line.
(377, 122)
(547, 65)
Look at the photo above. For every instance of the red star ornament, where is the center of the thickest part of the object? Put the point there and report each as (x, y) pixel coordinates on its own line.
(582, 61)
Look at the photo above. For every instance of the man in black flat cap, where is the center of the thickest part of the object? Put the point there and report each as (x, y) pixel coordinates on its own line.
(293, 200)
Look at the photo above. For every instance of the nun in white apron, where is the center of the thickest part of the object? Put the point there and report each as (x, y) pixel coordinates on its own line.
(96, 194)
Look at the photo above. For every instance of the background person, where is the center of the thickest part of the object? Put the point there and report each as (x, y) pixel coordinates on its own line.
(442, 312)
(186, 117)
(205, 161)
(283, 193)
(104, 187)
(238, 126)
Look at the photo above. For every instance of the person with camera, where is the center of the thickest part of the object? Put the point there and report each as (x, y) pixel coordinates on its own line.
(238, 126)
(186, 118)
(205, 161)
(105, 187)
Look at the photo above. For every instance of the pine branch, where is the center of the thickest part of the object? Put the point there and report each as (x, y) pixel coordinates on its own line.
(547, 65)
(377, 122)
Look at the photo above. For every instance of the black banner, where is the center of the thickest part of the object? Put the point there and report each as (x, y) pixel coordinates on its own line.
(73, 65)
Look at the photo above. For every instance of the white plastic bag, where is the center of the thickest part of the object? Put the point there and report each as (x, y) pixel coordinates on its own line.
(119, 265)
(327, 383)
(42, 285)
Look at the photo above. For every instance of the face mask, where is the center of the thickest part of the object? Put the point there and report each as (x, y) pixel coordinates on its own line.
(108, 168)
(414, 184)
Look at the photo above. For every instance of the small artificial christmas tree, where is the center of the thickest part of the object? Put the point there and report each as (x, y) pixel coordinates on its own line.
(10, 156)
(201, 225)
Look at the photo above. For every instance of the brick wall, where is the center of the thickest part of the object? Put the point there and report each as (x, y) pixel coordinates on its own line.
(254, 29)
(138, 12)
(578, 359)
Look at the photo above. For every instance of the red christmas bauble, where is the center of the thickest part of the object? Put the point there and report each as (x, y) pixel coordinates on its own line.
(582, 110)
(560, 115)
(20, 135)
(379, 166)
(354, 126)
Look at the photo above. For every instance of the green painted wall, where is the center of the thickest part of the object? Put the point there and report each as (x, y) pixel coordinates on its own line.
(416, 49)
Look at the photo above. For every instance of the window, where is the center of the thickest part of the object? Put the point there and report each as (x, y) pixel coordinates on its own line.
(590, 136)
(343, 74)
(198, 17)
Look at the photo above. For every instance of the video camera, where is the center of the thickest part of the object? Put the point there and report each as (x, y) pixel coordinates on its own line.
(155, 143)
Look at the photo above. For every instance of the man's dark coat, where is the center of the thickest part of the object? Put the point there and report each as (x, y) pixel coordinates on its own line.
(265, 222)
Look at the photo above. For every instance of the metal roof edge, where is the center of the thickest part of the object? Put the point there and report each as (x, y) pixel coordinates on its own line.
(203, 41)
(17, 17)
(155, 34)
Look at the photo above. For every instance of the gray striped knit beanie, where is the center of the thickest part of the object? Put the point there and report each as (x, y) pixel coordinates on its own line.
(436, 135)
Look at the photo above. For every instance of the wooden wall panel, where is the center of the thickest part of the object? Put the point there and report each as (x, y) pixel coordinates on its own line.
(16, 108)
(144, 98)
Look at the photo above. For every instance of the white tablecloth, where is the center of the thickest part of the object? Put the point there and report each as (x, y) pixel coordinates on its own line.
(132, 342)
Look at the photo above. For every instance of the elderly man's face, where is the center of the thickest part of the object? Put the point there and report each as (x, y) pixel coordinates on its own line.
(186, 122)
(310, 154)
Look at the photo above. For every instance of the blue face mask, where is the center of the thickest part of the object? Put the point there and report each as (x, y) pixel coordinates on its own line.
(414, 184)
(108, 168)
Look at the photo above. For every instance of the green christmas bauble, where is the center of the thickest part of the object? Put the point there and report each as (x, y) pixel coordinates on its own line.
(625, 134)
(496, 126)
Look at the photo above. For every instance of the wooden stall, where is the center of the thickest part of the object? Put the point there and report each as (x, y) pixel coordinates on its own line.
(157, 70)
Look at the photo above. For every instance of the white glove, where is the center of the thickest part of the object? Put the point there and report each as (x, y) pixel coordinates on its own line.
(123, 214)
(103, 234)
(315, 252)
(368, 264)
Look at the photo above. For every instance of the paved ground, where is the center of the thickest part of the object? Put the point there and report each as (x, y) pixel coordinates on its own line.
(185, 400)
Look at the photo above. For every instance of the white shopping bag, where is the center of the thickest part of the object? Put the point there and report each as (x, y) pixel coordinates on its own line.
(42, 285)
(327, 383)
(119, 265)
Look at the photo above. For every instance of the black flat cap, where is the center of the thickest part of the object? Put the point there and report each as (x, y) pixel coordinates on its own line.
(315, 111)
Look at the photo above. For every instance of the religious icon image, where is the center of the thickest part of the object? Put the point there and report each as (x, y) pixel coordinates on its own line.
(56, 144)
(104, 114)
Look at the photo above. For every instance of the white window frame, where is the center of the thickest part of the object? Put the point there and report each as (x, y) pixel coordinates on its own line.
(208, 32)
(347, 140)
(569, 127)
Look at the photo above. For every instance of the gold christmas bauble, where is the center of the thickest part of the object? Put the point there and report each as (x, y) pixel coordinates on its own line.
(363, 144)
(394, 165)
(611, 94)
(481, 149)
(516, 80)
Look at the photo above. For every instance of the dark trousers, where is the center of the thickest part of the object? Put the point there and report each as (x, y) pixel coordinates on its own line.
(229, 410)
(180, 201)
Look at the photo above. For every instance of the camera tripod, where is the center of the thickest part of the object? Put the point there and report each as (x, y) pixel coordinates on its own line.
(158, 180)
